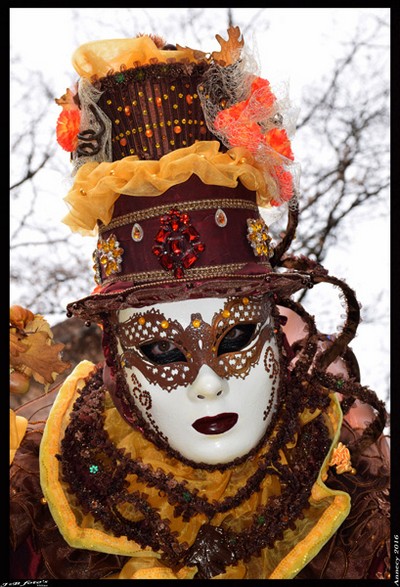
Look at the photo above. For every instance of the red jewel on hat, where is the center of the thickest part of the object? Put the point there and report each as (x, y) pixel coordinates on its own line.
(177, 243)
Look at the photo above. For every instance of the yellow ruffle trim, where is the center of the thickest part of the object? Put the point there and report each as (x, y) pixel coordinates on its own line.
(97, 186)
(100, 57)
(63, 515)
(327, 511)
(18, 426)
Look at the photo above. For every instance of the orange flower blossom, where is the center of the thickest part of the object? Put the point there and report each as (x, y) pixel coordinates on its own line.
(68, 122)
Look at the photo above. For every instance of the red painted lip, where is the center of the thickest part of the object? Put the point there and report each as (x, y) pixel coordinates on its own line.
(216, 424)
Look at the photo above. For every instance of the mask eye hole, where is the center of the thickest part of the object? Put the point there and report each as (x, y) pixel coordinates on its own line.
(162, 352)
(237, 338)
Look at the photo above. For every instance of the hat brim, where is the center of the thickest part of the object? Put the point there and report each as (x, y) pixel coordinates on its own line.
(127, 295)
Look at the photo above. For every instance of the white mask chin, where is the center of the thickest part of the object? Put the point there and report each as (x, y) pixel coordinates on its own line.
(215, 410)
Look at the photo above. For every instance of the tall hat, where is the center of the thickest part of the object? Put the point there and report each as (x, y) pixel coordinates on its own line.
(176, 155)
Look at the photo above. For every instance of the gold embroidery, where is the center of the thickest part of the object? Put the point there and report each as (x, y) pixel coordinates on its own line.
(155, 211)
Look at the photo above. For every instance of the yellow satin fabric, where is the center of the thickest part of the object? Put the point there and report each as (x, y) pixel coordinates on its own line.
(18, 425)
(327, 509)
(97, 186)
(100, 57)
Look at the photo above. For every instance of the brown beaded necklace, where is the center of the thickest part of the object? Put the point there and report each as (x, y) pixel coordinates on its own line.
(96, 473)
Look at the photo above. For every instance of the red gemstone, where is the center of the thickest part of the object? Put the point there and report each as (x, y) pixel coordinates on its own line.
(189, 259)
(199, 247)
(178, 273)
(166, 261)
(177, 243)
(175, 224)
(191, 233)
(165, 219)
(161, 236)
(176, 246)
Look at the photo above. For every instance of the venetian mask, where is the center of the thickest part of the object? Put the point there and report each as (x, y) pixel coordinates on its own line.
(204, 373)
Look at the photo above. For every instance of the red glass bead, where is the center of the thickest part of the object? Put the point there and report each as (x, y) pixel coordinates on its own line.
(189, 259)
(175, 224)
(161, 235)
(166, 261)
(191, 233)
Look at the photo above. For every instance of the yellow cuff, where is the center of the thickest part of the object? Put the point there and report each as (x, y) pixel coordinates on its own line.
(18, 426)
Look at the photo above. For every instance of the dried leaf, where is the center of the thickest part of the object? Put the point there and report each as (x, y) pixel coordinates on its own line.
(37, 357)
(16, 345)
(230, 49)
(20, 316)
(67, 101)
(32, 350)
(193, 54)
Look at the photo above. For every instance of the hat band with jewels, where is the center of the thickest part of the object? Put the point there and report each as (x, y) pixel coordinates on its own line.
(198, 231)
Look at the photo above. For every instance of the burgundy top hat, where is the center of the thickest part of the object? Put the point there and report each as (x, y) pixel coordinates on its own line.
(175, 154)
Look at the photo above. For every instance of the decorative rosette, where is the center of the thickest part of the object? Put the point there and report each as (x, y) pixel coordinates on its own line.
(241, 110)
(68, 122)
(177, 243)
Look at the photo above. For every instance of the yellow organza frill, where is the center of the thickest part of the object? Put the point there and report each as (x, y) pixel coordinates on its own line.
(327, 509)
(18, 426)
(98, 58)
(97, 186)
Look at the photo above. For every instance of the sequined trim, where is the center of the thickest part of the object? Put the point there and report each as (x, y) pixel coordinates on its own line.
(155, 211)
(195, 273)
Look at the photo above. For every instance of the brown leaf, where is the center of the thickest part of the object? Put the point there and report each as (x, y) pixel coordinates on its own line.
(20, 316)
(37, 357)
(193, 54)
(16, 345)
(230, 49)
(67, 101)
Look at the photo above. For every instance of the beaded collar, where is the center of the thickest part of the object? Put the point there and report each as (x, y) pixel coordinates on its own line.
(150, 505)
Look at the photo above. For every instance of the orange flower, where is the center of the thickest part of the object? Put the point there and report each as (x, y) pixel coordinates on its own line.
(279, 141)
(67, 130)
(285, 181)
(236, 121)
(261, 88)
(240, 131)
(341, 459)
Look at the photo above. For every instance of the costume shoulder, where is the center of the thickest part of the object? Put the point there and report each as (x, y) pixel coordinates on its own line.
(37, 549)
(360, 549)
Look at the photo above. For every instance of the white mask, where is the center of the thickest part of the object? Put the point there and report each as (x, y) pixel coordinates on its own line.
(204, 373)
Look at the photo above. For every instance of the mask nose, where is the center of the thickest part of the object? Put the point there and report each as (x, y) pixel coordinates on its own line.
(207, 385)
